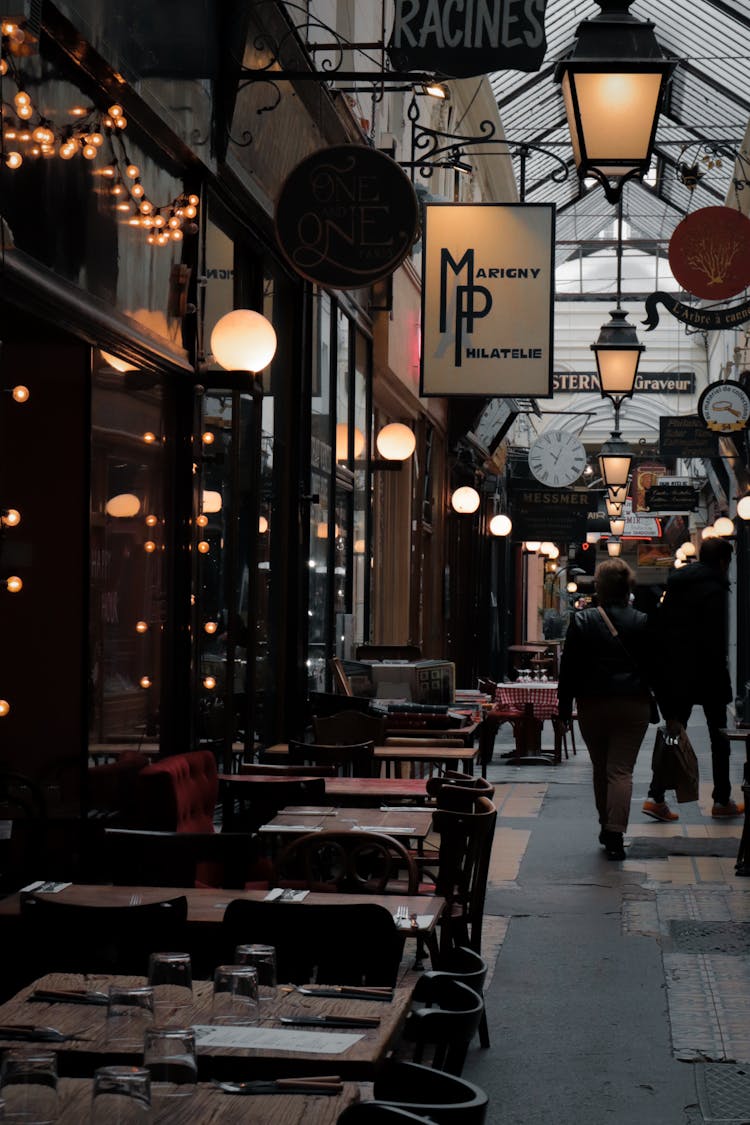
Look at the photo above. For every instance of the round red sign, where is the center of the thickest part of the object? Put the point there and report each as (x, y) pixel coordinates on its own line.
(709, 253)
(347, 216)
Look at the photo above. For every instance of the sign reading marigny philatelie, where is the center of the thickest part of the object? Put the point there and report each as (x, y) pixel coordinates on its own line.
(487, 299)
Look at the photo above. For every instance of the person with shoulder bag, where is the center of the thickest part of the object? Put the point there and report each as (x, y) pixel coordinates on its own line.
(605, 667)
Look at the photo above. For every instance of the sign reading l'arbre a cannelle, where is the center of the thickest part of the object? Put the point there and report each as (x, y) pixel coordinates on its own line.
(487, 299)
(461, 38)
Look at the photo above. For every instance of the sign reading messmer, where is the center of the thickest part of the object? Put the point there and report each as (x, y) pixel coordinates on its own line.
(487, 299)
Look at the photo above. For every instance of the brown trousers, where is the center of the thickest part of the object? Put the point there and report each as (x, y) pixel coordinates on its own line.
(613, 730)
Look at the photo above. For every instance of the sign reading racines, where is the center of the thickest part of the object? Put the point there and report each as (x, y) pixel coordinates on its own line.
(487, 299)
(462, 38)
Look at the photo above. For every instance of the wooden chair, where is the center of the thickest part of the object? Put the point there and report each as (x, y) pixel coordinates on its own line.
(254, 804)
(333, 943)
(469, 967)
(340, 678)
(445, 1016)
(181, 859)
(348, 728)
(344, 761)
(259, 769)
(72, 938)
(346, 862)
(462, 871)
(444, 1099)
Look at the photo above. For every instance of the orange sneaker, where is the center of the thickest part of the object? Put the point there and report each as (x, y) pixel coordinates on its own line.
(659, 810)
(728, 810)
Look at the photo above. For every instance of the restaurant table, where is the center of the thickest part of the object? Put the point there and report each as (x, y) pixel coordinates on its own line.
(100, 752)
(361, 791)
(415, 753)
(209, 1103)
(536, 701)
(268, 1049)
(412, 823)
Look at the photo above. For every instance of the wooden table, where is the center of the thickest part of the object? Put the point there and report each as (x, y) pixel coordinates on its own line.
(110, 751)
(536, 702)
(292, 1051)
(209, 1103)
(413, 823)
(351, 791)
(450, 757)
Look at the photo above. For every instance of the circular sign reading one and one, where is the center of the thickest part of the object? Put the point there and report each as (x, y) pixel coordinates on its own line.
(347, 217)
(709, 253)
(725, 407)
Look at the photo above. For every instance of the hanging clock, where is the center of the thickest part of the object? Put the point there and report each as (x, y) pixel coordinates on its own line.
(557, 458)
(724, 407)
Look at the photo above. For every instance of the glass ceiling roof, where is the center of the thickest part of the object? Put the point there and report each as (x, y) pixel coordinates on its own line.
(708, 101)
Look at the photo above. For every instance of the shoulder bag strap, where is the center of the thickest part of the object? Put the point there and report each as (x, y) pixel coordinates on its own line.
(608, 623)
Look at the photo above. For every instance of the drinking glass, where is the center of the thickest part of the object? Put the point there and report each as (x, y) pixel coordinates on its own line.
(170, 976)
(121, 1095)
(263, 958)
(28, 1083)
(235, 997)
(169, 1057)
(130, 1012)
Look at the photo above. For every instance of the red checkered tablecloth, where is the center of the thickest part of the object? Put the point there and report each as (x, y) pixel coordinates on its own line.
(542, 696)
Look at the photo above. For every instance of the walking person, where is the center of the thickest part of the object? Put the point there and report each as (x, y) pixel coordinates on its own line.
(692, 641)
(604, 667)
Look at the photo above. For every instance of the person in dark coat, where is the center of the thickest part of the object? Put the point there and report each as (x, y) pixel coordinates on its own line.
(609, 678)
(692, 639)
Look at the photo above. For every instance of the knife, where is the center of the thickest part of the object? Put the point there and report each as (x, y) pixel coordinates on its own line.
(26, 1032)
(331, 1021)
(350, 993)
(73, 996)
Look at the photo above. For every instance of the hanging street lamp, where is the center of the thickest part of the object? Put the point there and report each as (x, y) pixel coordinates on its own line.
(615, 461)
(613, 85)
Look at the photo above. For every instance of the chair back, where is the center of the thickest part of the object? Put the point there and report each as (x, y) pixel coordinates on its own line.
(258, 769)
(179, 793)
(336, 943)
(463, 867)
(73, 938)
(459, 791)
(349, 727)
(180, 859)
(445, 1016)
(444, 1099)
(340, 679)
(355, 760)
(346, 862)
(258, 802)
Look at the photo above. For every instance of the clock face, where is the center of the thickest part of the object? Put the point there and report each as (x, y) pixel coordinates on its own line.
(557, 458)
(725, 407)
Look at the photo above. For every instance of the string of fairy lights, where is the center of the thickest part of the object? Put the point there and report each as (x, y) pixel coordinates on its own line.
(93, 135)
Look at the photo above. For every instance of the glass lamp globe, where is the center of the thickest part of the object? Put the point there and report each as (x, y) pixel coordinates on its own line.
(465, 500)
(243, 340)
(211, 501)
(123, 506)
(743, 507)
(708, 532)
(614, 547)
(532, 546)
(342, 442)
(396, 442)
(688, 549)
(724, 526)
(500, 525)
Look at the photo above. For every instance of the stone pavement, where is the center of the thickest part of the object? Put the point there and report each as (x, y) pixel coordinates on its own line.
(620, 992)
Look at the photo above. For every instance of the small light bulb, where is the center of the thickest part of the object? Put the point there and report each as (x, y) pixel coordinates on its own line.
(4, 708)
(121, 122)
(107, 122)
(3, 67)
(194, 200)
(88, 152)
(96, 139)
(145, 682)
(202, 520)
(141, 626)
(159, 221)
(151, 521)
(190, 211)
(208, 438)
(115, 110)
(146, 207)
(109, 171)
(13, 160)
(149, 437)
(25, 112)
(138, 191)
(173, 222)
(20, 393)
(204, 547)
(210, 627)
(14, 584)
(12, 517)
(176, 236)
(209, 683)
(21, 98)
(68, 150)
(149, 546)
(133, 171)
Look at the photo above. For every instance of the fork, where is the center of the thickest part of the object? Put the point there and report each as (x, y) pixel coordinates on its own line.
(135, 900)
(401, 915)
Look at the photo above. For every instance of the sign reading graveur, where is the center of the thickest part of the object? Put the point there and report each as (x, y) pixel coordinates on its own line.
(346, 217)
(463, 38)
(686, 436)
(487, 299)
(671, 383)
(550, 513)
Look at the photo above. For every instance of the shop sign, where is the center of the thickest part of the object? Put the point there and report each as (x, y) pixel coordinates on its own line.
(347, 217)
(556, 514)
(668, 383)
(454, 39)
(706, 319)
(487, 299)
(686, 436)
(671, 498)
(709, 253)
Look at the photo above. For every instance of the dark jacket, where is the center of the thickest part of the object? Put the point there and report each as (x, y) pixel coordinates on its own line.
(596, 664)
(691, 631)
